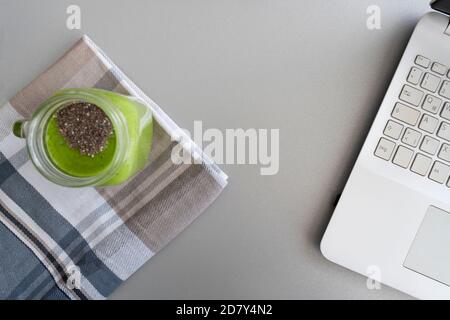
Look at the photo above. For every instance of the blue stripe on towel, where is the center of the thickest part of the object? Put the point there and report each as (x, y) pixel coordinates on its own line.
(41, 247)
(62, 232)
(18, 262)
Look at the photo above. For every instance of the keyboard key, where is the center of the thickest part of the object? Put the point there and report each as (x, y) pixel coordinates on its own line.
(421, 164)
(411, 137)
(445, 89)
(430, 82)
(444, 153)
(384, 149)
(439, 172)
(445, 113)
(405, 114)
(444, 131)
(411, 95)
(431, 104)
(422, 61)
(393, 129)
(439, 68)
(429, 145)
(403, 157)
(414, 75)
(428, 123)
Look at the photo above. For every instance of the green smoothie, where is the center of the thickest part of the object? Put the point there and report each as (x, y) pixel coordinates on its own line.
(139, 126)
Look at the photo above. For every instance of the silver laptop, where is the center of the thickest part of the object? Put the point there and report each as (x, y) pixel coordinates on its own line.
(393, 218)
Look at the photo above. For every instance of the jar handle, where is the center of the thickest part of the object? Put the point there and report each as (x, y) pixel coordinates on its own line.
(20, 128)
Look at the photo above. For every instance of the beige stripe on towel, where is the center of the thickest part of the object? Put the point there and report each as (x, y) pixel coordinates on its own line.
(175, 207)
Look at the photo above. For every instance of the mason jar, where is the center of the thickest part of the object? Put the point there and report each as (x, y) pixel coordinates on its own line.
(132, 124)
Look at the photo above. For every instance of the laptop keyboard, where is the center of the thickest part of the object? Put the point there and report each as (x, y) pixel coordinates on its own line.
(417, 136)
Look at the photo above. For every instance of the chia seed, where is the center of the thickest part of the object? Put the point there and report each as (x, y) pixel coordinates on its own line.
(85, 127)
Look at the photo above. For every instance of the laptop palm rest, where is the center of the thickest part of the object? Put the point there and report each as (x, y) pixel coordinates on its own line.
(429, 254)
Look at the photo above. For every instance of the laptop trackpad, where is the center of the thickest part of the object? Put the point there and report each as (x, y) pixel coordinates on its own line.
(429, 254)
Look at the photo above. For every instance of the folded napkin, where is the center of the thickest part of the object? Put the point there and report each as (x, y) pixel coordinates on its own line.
(62, 243)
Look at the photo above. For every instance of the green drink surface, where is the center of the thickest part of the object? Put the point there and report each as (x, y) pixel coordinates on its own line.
(139, 130)
(70, 160)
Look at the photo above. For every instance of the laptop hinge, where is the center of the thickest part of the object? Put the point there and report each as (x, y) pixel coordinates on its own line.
(447, 30)
(444, 7)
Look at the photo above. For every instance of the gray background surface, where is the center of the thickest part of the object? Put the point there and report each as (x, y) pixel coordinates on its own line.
(310, 68)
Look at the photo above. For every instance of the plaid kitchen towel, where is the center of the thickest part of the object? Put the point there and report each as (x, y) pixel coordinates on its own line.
(62, 243)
